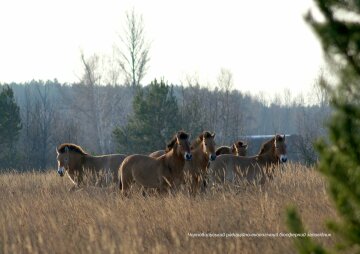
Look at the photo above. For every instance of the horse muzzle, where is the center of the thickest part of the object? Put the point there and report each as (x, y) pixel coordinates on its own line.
(283, 158)
(61, 171)
(188, 156)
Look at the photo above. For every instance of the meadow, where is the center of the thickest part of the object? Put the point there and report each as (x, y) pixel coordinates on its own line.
(39, 215)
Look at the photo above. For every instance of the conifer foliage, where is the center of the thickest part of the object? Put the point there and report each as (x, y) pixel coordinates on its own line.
(339, 33)
(155, 119)
(10, 126)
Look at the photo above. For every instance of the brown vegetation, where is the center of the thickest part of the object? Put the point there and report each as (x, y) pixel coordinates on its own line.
(39, 215)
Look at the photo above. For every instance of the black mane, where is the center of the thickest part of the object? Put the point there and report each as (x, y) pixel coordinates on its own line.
(72, 147)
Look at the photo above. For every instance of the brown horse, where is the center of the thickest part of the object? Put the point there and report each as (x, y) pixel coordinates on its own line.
(203, 151)
(159, 173)
(74, 161)
(157, 153)
(239, 148)
(253, 169)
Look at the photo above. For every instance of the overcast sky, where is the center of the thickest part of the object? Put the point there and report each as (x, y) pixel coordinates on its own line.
(265, 44)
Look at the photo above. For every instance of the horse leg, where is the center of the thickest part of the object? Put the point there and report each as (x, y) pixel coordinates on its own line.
(125, 184)
(120, 184)
(73, 188)
(115, 176)
(164, 186)
(72, 178)
(194, 184)
(80, 179)
(204, 182)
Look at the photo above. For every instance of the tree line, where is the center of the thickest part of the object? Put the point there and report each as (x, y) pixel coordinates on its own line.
(37, 116)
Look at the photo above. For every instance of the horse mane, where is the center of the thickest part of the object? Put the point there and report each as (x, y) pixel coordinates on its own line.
(199, 139)
(170, 145)
(264, 146)
(71, 147)
(181, 135)
(240, 143)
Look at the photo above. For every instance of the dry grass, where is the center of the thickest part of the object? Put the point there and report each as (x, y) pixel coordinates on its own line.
(39, 215)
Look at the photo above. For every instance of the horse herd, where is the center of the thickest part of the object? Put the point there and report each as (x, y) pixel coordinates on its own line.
(199, 163)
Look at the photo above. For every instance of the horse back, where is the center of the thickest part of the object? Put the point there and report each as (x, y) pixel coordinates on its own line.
(108, 162)
(157, 154)
(223, 150)
(229, 166)
(143, 169)
(116, 160)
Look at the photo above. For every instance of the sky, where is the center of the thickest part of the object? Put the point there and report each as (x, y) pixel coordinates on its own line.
(265, 44)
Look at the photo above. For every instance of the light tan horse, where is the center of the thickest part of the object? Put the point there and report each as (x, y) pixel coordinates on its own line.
(160, 173)
(203, 151)
(74, 161)
(254, 169)
(239, 148)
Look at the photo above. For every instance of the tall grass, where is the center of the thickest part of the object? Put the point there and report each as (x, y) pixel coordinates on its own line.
(39, 215)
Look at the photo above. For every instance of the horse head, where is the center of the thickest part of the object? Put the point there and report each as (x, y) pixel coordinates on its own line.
(69, 157)
(183, 145)
(209, 145)
(240, 147)
(280, 148)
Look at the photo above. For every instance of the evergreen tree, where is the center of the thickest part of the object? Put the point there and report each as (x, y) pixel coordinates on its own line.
(154, 121)
(10, 126)
(340, 156)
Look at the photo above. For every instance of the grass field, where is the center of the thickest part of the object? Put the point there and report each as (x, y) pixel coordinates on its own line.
(39, 215)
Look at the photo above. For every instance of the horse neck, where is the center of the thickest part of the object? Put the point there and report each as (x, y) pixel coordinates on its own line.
(174, 160)
(268, 157)
(199, 156)
(88, 161)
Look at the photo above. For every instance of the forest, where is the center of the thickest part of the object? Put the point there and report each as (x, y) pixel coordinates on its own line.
(101, 118)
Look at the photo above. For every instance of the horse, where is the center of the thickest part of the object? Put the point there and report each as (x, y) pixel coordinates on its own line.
(203, 151)
(160, 173)
(157, 153)
(254, 168)
(74, 161)
(238, 148)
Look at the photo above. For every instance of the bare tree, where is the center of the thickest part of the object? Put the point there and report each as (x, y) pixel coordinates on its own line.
(39, 115)
(225, 83)
(311, 123)
(98, 108)
(134, 51)
(192, 106)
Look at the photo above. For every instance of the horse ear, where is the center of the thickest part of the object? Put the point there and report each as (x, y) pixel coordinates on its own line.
(201, 137)
(245, 146)
(213, 135)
